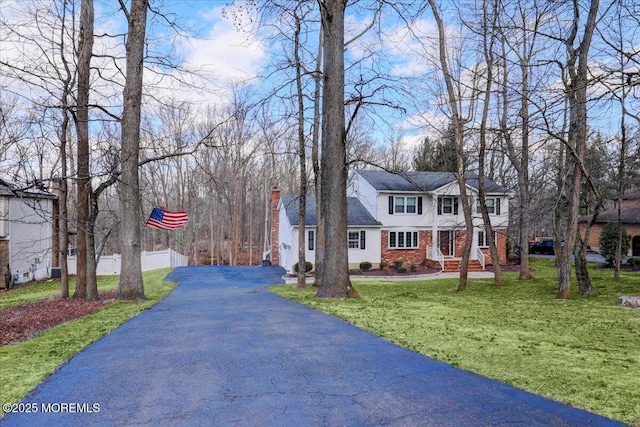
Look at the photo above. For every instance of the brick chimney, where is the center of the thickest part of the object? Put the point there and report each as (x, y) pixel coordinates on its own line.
(275, 227)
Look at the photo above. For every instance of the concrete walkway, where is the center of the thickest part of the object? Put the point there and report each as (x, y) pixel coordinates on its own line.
(222, 350)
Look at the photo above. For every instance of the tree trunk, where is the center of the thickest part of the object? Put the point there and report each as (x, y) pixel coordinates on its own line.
(577, 92)
(85, 48)
(302, 270)
(315, 160)
(458, 129)
(488, 41)
(335, 282)
(131, 286)
(585, 287)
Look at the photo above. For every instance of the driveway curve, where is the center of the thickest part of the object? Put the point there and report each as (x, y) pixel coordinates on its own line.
(221, 350)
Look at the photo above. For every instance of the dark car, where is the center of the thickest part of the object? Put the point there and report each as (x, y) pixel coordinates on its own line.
(542, 247)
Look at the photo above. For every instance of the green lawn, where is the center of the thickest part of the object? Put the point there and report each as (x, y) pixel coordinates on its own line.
(24, 365)
(585, 352)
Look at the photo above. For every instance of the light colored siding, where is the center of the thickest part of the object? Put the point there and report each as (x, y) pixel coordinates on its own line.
(30, 233)
(360, 188)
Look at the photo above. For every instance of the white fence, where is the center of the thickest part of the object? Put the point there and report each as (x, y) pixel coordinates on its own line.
(110, 264)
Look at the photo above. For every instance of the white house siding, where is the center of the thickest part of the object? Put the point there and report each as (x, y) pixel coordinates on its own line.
(287, 240)
(365, 192)
(371, 252)
(30, 233)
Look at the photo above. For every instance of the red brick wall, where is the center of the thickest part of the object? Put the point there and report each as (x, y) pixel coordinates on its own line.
(275, 227)
(501, 245)
(407, 256)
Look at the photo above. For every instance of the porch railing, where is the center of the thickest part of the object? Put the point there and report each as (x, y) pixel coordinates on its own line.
(480, 257)
(436, 255)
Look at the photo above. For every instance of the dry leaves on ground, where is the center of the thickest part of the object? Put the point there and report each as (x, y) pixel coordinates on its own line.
(22, 322)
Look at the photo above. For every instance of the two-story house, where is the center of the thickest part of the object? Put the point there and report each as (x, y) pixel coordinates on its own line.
(419, 217)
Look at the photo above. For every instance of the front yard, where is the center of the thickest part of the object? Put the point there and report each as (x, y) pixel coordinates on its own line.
(585, 352)
(25, 364)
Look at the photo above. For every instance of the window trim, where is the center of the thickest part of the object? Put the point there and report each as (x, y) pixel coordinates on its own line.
(401, 208)
(454, 205)
(411, 236)
(485, 243)
(495, 208)
(361, 239)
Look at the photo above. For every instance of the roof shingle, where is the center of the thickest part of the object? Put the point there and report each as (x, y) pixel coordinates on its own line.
(357, 214)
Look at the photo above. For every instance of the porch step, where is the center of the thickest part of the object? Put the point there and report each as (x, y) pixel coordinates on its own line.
(453, 265)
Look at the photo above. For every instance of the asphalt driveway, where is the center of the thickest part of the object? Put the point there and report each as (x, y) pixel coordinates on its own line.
(222, 350)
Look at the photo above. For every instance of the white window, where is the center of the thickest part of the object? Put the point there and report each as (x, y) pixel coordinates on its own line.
(405, 205)
(410, 205)
(447, 205)
(483, 242)
(403, 239)
(493, 206)
(356, 239)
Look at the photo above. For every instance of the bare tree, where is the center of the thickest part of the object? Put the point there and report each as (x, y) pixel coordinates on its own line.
(130, 286)
(458, 132)
(489, 17)
(577, 67)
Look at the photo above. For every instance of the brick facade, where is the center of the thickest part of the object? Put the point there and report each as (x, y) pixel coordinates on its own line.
(275, 227)
(407, 256)
(418, 256)
(501, 245)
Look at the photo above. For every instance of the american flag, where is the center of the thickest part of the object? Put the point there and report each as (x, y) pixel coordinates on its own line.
(166, 220)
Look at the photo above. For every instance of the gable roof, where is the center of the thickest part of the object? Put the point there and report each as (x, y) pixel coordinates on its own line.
(357, 214)
(420, 181)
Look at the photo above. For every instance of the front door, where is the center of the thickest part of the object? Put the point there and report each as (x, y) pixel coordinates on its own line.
(445, 242)
(635, 246)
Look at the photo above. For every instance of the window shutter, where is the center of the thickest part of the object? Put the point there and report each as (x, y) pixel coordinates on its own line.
(311, 239)
(390, 205)
(362, 239)
(497, 205)
(455, 206)
(392, 239)
(416, 242)
(439, 205)
(419, 205)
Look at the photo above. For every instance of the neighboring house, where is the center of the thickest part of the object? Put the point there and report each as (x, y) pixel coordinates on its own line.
(26, 232)
(630, 217)
(414, 217)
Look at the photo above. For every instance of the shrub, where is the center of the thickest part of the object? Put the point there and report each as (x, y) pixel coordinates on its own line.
(397, 264)
(365, 265)
(609, 241)
(355, 271)
(413, 268)
(383, 265)
(402, 269)
(307, 264)
(634, 261)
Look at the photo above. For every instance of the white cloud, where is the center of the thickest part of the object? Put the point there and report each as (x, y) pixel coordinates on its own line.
(225, 52)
